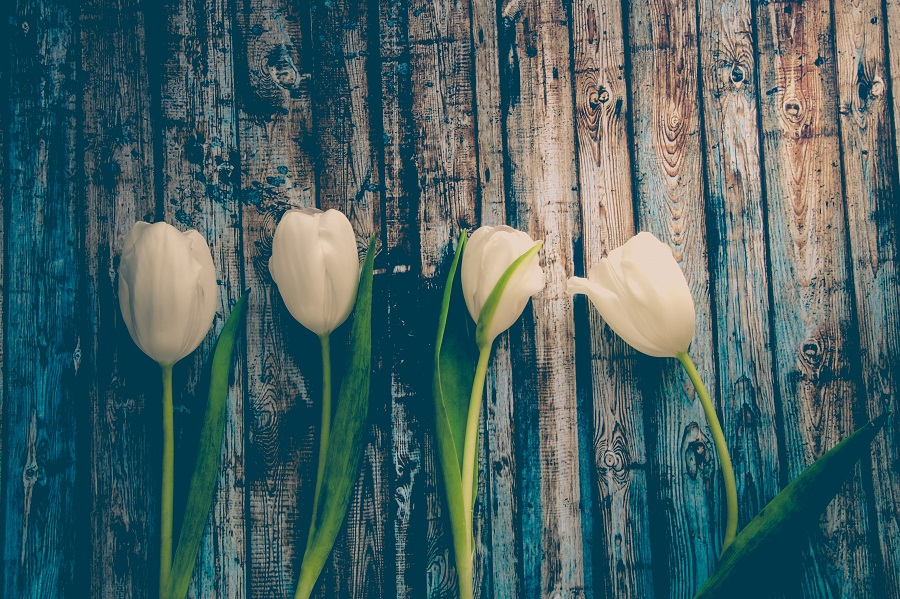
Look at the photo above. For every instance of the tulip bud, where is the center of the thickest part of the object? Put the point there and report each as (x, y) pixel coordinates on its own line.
(489, 252)
(316, 267)
(167, 290)
(642, 295)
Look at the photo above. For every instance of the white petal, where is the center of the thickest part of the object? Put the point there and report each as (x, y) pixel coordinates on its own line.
(338, 243)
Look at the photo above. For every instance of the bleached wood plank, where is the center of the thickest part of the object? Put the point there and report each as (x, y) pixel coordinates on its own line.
(870, 184)
(811, 283)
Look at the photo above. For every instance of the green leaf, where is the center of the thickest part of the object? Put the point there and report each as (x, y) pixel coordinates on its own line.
(490, 305)
(779, 529)
(348, 432)
(454, 375)
(206, 470)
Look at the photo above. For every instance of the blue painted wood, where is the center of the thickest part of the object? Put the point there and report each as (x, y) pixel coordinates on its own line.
(622, 557)
(687, 501)
(737, 250)
(42, 387)
(812, 289)
(200, 177)
(870, 184)
(124, 387)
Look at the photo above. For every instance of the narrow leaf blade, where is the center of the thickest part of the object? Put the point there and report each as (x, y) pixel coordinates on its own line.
(347, 436)
(206, 470)
(454, 375)
(780, 526)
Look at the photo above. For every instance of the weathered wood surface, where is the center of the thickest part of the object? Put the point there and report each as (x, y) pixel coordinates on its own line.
(757, 139)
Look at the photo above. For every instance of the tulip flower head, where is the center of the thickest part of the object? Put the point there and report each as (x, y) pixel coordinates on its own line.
(490, 251)
(316, 267)
(167, 290)
(641, 293)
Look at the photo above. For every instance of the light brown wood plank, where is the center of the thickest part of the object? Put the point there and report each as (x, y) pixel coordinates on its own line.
(543, 184)
(685, 514)
(604, 167)
(869, 161)
(812, 288)
(737, 248)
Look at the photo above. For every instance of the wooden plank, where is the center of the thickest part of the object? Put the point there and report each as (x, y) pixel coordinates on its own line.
(349, 179)
(124, 384)
(543, 188)
(689, 496)
(737, 250)
(275, 130)
(199, 162)
(440, 200)
(891, 21)
(622, 559)
(42, 355)
(870, 184)
(498, 561)
(812, 295)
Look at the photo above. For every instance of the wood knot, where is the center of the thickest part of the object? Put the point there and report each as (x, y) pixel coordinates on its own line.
(794, 110)
(614, 459)
(696, 450)
(737, 74)
(812, 353)
(877, 88)
(281, 68)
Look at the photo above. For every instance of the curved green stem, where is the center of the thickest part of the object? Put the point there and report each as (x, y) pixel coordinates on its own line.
(168, 484)
(469, 467)
(325, 341)
(722, 449)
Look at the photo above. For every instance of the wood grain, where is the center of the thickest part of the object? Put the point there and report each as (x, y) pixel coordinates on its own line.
(272, 76)
(43, 345)
(685, 476)
(622, 559)
(124, 388)
(199, 174)
(500, 536)
(870, 184)
(348, 179)
(737, 249)
(543, 194)
(812, 289)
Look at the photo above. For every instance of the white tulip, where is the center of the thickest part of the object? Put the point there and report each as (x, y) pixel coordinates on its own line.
(489, 252)
(167, 290)
(641, 293)
(316, 267)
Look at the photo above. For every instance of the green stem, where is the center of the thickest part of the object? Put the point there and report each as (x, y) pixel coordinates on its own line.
(325, 341)
(168, 484)
(471, 443)
(721, 448)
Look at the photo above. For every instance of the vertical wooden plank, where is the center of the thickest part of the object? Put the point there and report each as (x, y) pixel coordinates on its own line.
(500, 540)
(870, 181)
(812, 299)
(124, 388)
(737, 248)
(685, 474)
(348, 180)
(276, 173)
(42, 356)
(199, 162)
(891, 21)
(622, 556)
(543, 189)
(441, 200)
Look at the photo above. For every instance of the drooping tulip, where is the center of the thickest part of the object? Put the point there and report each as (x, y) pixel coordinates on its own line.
(167, 290)
(490, 251)
(316, 267)
(641, 293)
